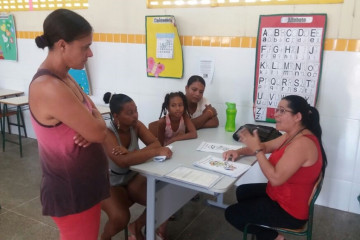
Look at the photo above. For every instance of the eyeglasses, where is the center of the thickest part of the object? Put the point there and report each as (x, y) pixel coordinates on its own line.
(281, 111)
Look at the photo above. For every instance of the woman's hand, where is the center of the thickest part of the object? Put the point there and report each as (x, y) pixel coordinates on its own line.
(252, 141)
(119, 150)
(210, 110)
(81, 141)
(231, 154)
(165, 151)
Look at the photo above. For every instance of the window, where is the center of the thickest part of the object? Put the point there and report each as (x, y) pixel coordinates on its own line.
(227, 3)
(37, 5)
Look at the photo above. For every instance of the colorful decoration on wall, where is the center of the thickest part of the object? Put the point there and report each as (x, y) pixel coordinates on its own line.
(164, 56)
(81, 78)
(8, 48)
(289, 56)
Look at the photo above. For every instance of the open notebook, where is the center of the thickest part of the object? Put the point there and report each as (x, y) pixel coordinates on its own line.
(233, 169)
(194, 176)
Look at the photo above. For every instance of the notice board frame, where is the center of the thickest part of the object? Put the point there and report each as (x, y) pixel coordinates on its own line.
(289, 53)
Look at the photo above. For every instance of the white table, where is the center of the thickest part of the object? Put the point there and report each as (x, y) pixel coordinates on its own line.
(164, 195)
(18, 102)
(8, 92)
(104, 110)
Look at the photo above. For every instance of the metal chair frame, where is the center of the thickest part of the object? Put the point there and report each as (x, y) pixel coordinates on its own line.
(307, 228)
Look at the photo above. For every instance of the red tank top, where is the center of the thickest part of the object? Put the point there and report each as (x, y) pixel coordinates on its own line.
(293, 196)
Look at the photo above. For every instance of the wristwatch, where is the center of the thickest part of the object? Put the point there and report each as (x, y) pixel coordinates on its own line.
(258, 150)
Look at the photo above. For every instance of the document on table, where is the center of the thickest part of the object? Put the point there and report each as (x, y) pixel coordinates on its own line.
(193, 176)
(217, 147)
(232, 169)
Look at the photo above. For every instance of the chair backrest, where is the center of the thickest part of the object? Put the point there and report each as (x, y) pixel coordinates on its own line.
(153, 127)
(312, 200)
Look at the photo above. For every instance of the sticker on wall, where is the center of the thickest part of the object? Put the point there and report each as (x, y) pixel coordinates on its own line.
(81, 77)
(289, 56)
(164, 57)
(8, 48)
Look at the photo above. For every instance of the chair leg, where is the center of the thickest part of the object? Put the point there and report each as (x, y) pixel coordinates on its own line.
(126, 232)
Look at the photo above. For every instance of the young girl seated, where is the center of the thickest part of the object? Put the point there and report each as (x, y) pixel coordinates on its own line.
(121, 146)
(176, 124)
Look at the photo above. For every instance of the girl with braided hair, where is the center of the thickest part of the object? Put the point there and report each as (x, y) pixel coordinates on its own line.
(176, 125)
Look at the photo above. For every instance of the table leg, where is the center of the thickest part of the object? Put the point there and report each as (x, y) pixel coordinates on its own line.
(150, 207)
(3, 126)
(219, 201)
(18, 112)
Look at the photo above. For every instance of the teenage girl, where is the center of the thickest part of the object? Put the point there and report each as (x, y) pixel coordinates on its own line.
(121, 146)
(202, 114)
(176, 124)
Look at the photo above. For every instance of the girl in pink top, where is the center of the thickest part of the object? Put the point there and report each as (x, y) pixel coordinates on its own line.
(176, 124)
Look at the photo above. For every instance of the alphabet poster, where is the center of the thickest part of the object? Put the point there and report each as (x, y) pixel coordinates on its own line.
(164, 57)
(289, 56)
(8, 48)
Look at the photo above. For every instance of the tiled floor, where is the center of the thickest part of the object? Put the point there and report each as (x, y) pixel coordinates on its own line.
(21, 219)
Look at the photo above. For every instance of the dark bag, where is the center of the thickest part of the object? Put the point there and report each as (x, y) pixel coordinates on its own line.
(265, 133)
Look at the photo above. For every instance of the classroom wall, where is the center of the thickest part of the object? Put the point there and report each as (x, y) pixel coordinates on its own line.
(121, 67)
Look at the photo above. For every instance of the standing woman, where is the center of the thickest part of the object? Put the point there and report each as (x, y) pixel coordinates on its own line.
(69, 130)
(202, 114)
(296, 162)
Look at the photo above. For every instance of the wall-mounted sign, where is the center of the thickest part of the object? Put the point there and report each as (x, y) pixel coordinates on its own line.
(289, 55)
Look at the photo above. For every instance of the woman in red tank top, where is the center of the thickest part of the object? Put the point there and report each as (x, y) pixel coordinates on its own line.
(295, 163)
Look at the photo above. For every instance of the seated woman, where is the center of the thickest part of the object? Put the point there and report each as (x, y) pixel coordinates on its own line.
(292, 170)
(202, 114)
(121, 146)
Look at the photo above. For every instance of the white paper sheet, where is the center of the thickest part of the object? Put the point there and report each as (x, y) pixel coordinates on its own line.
(195, 177)
(217, 147)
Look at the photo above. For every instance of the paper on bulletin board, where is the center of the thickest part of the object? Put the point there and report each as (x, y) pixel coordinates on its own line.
(206, 70)
(289, 56)
(164, 57)
(8, 48)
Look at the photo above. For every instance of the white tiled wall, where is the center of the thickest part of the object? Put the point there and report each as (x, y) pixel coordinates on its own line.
(120, 68)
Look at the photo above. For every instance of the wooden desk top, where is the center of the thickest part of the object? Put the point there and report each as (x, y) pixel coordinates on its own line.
(16, 101)
(9, 92)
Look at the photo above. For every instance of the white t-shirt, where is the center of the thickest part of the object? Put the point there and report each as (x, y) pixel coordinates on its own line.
(200, 108)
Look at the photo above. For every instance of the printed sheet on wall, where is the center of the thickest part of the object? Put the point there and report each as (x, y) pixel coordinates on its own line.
(289, 56)
(8, 48)
(164, 57)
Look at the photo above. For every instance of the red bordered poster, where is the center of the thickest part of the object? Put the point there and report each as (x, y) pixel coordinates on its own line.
(289, 56)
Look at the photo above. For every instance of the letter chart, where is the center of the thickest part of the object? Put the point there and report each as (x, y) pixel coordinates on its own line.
(288, 60)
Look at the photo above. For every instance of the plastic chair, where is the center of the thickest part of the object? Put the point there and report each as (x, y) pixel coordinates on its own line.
(306, 230)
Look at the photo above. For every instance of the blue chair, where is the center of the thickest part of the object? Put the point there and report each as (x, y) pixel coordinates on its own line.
(306, 230)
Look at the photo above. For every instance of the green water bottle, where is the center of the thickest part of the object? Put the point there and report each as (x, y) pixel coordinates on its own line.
(230, 117)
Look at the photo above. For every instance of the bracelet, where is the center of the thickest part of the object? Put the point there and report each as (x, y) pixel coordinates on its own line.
(258, 150)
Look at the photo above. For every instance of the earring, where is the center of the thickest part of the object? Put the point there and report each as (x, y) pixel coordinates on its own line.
(118, 125)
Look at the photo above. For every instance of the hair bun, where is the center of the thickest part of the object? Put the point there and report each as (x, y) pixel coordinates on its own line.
(41, 41)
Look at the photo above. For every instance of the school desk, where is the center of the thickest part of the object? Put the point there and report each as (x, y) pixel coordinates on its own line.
(166, 195)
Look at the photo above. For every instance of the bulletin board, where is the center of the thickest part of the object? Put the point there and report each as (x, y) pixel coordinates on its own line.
(164, 57)
(8, 48)
(289, 55)
(81, 77)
